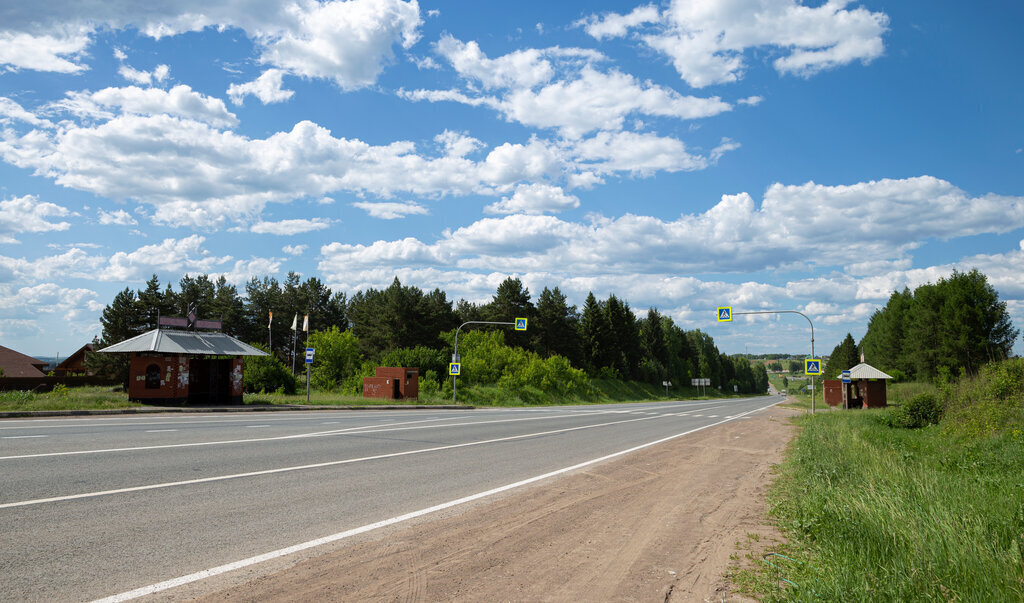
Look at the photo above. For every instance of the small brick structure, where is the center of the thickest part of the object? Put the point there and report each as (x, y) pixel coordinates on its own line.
(393, 383)
(865, 390)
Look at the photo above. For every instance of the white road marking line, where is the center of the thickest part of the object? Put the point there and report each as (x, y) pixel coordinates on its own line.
(22, 437)
(256, 426)
(330, 422)
(217, 478)
(193, 444)
(160, 430)
(222, 569)
(123, 421)
(365, 429)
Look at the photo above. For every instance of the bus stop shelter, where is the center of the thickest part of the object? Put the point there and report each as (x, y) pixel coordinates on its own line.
(185, 367)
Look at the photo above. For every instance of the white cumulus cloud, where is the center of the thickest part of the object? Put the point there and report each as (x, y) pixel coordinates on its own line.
(707, 41)
(390, 210)
(267, 88)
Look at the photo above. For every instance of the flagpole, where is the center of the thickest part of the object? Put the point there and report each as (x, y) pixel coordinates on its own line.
(294, 333)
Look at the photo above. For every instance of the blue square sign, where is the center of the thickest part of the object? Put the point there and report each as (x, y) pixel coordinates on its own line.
(520, 324)
(812, 366)
(453, 368)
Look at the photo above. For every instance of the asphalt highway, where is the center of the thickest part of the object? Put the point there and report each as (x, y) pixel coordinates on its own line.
(112, 506)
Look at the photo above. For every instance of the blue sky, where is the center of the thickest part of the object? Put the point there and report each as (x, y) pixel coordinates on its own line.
(763, 154)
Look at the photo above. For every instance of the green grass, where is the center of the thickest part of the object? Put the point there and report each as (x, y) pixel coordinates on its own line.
(897, 393)
(604, 391)
(877, 513)
(77, 398)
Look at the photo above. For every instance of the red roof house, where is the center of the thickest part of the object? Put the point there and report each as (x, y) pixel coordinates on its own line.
(16, 364)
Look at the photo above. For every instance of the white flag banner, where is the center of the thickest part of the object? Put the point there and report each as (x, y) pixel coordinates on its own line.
(305, 323)
(271, 322)
(295, 322)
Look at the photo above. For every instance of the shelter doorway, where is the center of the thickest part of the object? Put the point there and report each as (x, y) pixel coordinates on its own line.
(209, 381)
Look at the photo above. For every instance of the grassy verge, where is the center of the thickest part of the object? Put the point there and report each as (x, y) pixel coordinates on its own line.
(602, 392)
(61, 398)
(879, 513)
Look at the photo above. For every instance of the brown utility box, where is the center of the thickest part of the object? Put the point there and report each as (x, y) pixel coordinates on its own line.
(393, 383)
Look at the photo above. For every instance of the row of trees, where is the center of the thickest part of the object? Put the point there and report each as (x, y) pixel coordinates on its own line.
(950, 327)
(404, 325)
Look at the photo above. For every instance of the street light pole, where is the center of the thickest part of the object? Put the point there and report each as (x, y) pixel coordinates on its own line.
(455, 356)
(812, 338)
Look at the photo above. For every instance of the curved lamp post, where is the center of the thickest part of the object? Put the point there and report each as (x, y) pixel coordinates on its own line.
(812, 338)
(455, 356)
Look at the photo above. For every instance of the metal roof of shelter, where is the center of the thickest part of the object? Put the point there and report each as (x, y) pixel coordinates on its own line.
(866, 371)
(185, 342)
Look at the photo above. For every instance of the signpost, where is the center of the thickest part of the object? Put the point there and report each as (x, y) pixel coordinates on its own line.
(846, 380)
(309, 362)
(728, 318)
(455, 366)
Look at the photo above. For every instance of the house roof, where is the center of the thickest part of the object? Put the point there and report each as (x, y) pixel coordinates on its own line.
(78, 356)
(16, 364)
(184, 342)
(866, 371)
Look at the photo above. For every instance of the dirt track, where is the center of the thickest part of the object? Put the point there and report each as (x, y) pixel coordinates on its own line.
(658, 525)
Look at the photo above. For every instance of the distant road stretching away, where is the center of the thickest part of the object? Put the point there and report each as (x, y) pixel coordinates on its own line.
(119, 506)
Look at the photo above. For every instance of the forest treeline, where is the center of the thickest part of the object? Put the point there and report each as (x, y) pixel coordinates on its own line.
(407, 326)
(939, 330)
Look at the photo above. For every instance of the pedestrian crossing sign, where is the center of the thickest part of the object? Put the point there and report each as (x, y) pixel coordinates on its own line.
(453, 368)
(725, 314)
(812, 366)
(520, 324)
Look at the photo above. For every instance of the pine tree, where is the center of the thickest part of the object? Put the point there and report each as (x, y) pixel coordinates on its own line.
(594, 336)
(624, 337)
(843, 358)
(512, 301)
(556, 330)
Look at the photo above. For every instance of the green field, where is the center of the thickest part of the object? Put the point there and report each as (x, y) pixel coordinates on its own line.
(880, 513)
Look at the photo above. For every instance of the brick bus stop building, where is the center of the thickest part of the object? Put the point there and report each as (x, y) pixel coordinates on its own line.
(393, 383)
(184, 367)
(866, 388)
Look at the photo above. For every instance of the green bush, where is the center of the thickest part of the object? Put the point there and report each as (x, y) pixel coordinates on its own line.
(919, 411)
(337, 361)
(990, 403)
(429, 385)
(421, 357)
(267, 374)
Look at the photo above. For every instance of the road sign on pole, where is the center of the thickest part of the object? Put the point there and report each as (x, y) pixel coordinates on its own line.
(309, 363)
(846, 376)
(520, 324)
(454, 368)
(812, 366)
(725, 314)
